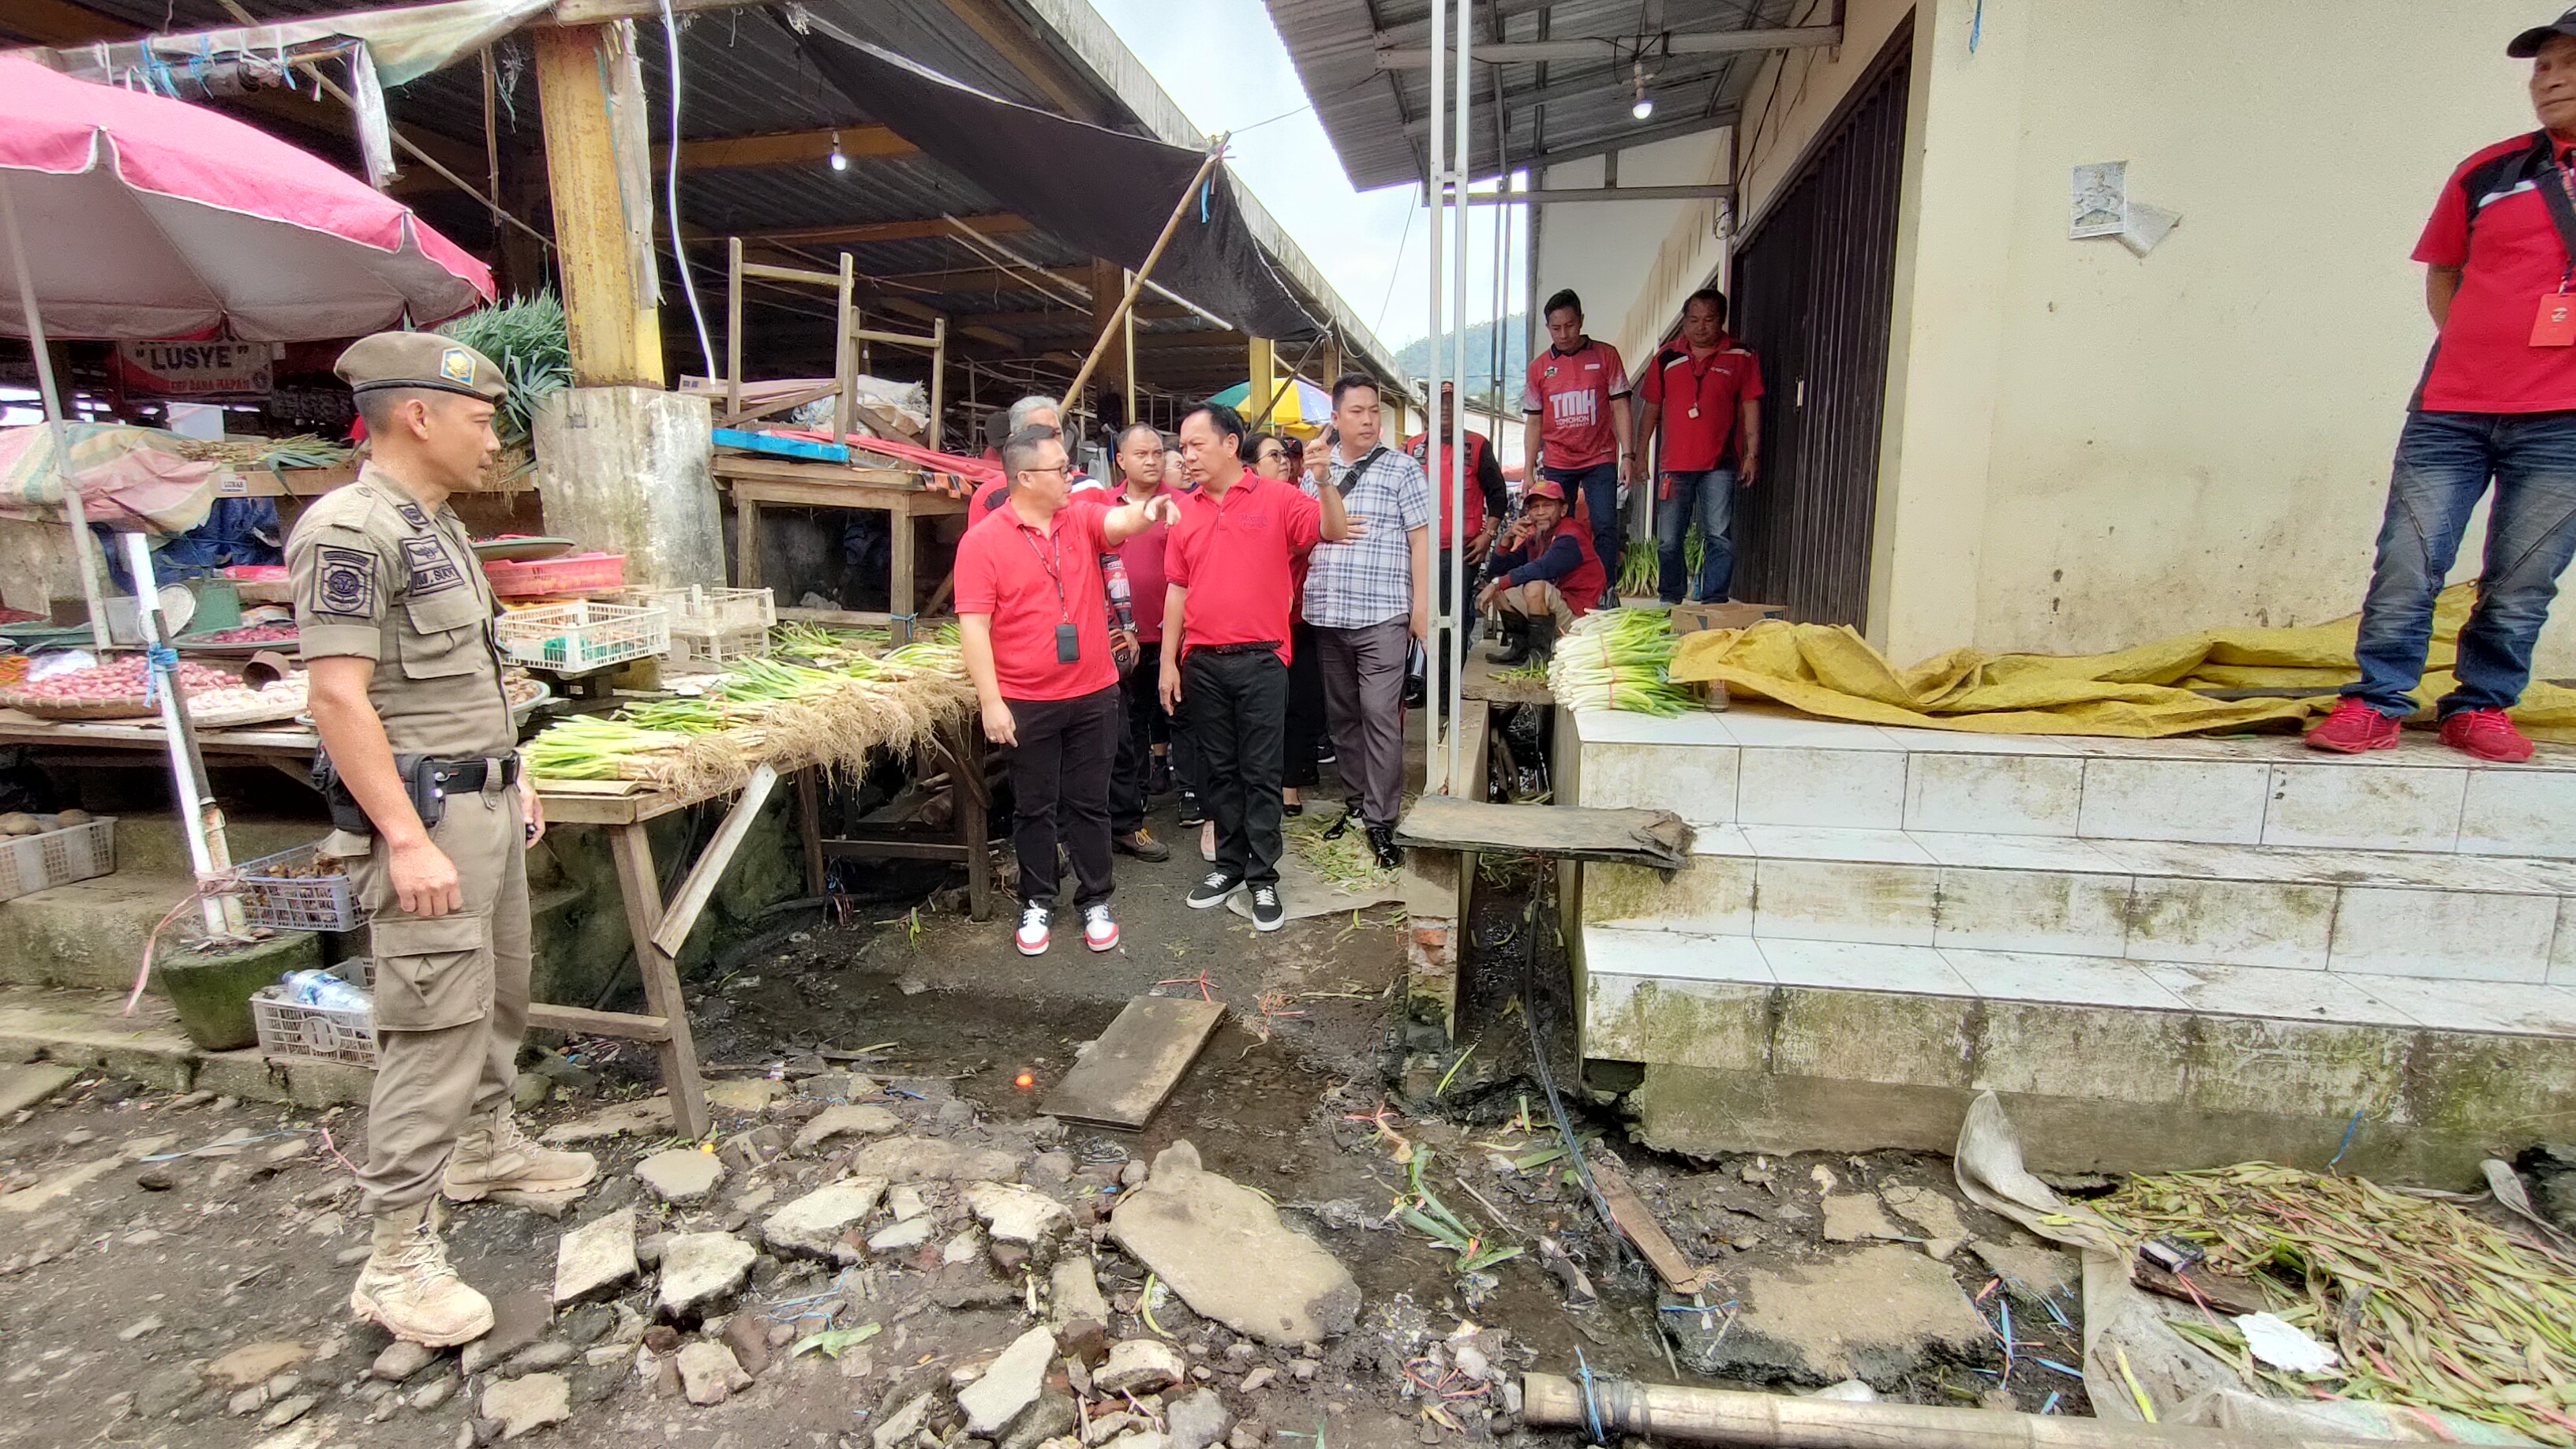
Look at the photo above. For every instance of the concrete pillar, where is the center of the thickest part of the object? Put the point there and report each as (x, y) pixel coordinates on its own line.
(625, 470)
(616, 331)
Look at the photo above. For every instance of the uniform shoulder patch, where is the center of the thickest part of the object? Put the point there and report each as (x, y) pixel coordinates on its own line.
(344, 583)
(412, 515)
(431, 570)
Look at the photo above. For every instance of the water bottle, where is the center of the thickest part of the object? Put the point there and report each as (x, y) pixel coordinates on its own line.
(322, 989)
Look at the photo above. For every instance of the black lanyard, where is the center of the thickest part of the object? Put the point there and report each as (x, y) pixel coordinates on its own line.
(1054, 565)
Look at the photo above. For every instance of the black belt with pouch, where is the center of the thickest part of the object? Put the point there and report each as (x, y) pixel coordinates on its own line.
(428, 779)
(1258, 646)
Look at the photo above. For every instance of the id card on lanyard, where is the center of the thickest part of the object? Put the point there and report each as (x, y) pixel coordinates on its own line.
(1068, 637)
(2554, 323)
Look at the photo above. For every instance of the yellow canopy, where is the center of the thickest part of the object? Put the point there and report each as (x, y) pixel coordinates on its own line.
(2138, 692)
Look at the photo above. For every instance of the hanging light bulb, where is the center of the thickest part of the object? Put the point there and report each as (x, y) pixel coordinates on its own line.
(1645, 106)
(839, 161)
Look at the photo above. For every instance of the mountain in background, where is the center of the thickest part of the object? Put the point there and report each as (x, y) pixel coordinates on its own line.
(1415, 357)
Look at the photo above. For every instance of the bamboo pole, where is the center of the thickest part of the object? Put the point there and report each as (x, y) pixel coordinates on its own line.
(1781, 1421)
(1136, 282)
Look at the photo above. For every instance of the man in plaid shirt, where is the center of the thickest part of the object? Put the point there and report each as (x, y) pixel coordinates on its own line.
(1369, 600)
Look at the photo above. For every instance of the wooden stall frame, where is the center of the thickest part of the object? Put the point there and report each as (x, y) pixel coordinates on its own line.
(848, 334)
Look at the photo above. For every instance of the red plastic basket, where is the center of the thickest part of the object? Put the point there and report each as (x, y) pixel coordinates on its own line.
(573, 573)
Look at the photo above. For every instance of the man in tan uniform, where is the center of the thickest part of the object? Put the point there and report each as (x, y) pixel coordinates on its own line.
(396, 626)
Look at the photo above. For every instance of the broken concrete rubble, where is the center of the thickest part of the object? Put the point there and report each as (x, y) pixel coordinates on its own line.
(929, 1159)
(816, 1224)
(846, 1119)
(596, 1257)
(1878, 1314)
(709, 1373)
(1140, 1366)
(1018, 1214)
(1199, 1231)
(700, 1270)
(680, 1174)
(1010, 1385)
(527, 1404)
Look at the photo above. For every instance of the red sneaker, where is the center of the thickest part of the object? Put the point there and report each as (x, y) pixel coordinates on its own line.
(2355, 727)
(2487, 734)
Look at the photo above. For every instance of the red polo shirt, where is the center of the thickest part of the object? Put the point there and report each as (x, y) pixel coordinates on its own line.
(2492, 224)
(1236, 555)
(1699, 397)
(1143, 555)
(1031, 580)
(1571, 392)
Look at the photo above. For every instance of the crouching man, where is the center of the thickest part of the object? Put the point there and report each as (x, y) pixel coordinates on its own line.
(1545, 575)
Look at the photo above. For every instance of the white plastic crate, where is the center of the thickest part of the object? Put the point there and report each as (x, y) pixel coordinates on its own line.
(275, 894)
(580, 637)
(714, 651)
(704, 613)
(291, 1028)
(58, 856)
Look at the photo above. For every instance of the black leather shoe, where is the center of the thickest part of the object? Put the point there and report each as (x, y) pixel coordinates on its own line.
(1381, 840)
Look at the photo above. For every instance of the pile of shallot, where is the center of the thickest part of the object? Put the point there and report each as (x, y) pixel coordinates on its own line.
(114, 682)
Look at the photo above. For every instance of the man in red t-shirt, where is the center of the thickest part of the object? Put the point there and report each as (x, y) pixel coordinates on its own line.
(1232, 565)
(1706, 393)
(2497, 404)
(1146, 739)
(1036, 642)
(1575, 427)
(1545, 574)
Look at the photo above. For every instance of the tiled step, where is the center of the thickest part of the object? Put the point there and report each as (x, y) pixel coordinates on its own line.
(1764, 766)
(2374, 913)
(1750, 1044)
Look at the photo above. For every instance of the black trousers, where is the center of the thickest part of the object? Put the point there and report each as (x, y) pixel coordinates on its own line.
(1306, 716)
(1060, 792)
(1142, 725)
(1237, 709)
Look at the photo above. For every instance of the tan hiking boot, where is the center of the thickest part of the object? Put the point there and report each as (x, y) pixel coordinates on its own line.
(493, 1155)
(408, 1287)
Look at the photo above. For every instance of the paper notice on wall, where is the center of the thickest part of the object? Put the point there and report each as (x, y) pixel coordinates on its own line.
(2101, 200)
(2148, 224)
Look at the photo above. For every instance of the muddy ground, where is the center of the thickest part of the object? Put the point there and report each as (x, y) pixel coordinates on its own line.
(201, 1299)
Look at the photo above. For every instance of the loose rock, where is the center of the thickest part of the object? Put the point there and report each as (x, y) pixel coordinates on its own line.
(1073, 1291)
(1933, 1213)
(1140, 1366)
(928, 1159)
(1199, 1230)
(1018, 1214)
(518, 1319)
(1010, 1385)
(813, 1225)
(749, 1341)
(700, 1269)
(1197, 1421)
(680, 1174)
(846, 1119)
(709, 1373)
(593, 1259)
(529, 1403)
(911, 1233)
(402, 1361)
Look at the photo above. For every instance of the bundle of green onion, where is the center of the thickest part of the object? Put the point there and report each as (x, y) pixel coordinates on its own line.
(589, 748)
(1615, 659)
(1641, 567)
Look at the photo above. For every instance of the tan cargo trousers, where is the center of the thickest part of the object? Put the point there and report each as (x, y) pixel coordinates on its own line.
(451, 997)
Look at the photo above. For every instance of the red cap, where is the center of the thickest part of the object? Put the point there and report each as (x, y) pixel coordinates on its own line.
(1544, 488)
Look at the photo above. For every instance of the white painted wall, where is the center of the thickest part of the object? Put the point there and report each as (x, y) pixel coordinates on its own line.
(1608, 252)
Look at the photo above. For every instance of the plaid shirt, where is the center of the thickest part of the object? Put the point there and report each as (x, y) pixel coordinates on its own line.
(1370, 580)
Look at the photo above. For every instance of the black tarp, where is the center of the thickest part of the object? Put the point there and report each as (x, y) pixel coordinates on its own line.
(1097, 189)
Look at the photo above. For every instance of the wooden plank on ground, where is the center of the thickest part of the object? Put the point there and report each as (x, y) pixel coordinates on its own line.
(581, 1021)
(1638, 1224)
(1136, 1063)
(1655, 838)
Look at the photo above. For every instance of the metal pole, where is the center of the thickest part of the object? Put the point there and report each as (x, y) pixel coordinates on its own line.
(203, 819)
(72, 508)
(1437, 194)
(1457, 419)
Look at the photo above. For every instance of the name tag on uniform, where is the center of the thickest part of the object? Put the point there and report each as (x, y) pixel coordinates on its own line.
(2555, 326)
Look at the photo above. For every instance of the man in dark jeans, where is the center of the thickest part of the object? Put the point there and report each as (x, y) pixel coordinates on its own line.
(1036, 643)
(1145, 743)
(1225, 637)
(1576, 429)
(2497, 403)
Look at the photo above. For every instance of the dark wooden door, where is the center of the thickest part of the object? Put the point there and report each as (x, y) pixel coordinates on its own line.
(1813, 293)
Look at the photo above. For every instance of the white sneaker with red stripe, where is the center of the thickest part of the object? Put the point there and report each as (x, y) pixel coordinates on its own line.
(1099, 928)
(1032, 937)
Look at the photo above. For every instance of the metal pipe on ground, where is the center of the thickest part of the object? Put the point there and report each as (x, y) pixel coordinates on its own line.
(1779, 1421)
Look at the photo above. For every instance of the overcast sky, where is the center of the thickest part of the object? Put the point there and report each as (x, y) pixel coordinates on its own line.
(1222, 61)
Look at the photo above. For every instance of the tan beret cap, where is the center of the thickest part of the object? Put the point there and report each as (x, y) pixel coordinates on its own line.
(418, 359)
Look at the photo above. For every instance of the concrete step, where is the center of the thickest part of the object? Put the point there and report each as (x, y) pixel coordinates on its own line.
(1739, 1043)
(84, 1029)
(1760, 765)
(90, 932)
(2374, 913)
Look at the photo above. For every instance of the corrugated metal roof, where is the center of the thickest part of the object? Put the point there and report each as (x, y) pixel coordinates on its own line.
(1376, 119)
(743, 74)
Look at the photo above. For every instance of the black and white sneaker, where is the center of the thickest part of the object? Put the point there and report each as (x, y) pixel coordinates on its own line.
(1267, 913)
(1216, 889)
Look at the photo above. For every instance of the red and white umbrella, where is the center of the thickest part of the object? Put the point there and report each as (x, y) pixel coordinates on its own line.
(150, 217)
(127, 215)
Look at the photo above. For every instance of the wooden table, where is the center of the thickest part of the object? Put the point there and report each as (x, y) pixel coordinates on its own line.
(897, 492)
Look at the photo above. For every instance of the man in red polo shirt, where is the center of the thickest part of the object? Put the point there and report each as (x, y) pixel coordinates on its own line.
(1036, 642)
(1545, 574)
(1145, 741)
(2497, 404)
(1706, 392)
(1575, 429)
(1231, 563)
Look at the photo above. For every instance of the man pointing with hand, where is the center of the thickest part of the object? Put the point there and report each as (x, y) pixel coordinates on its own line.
(1036, 641)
